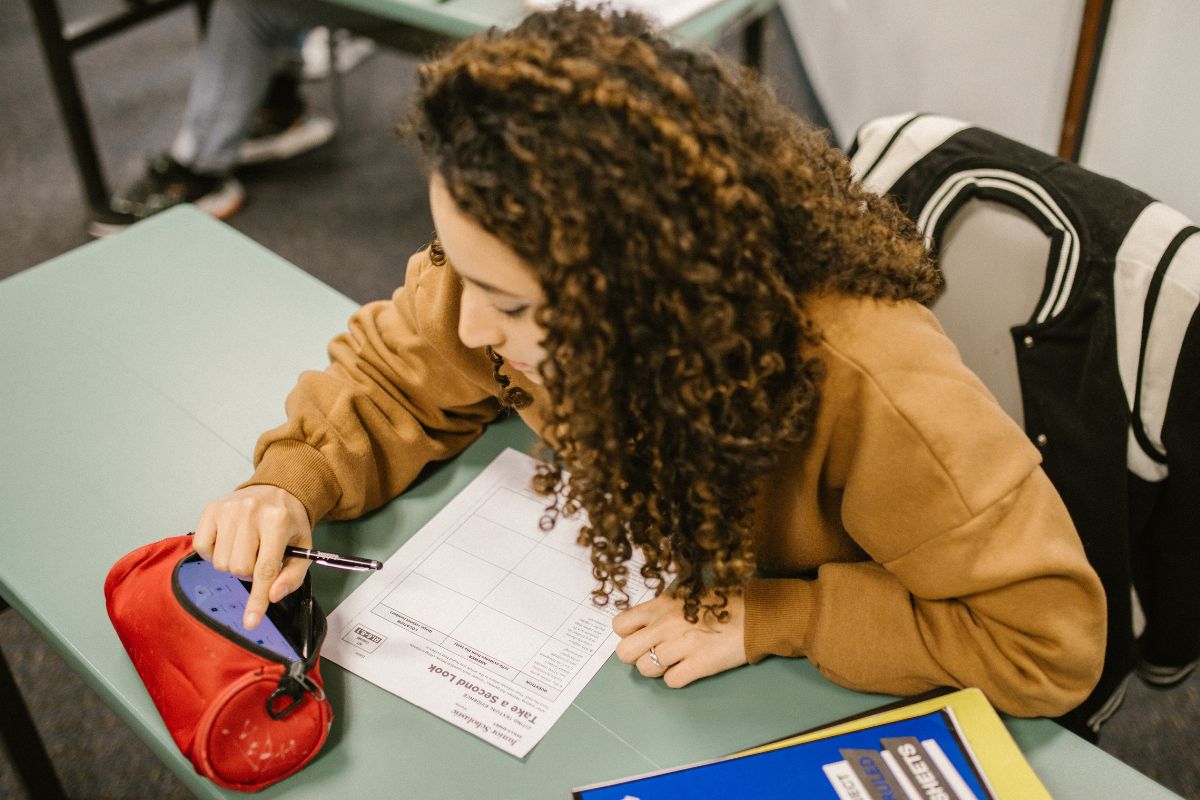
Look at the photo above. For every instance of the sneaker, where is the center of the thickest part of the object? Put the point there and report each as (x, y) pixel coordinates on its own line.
(271, 139)
(283, 127)
(168, 183)
(350, 52)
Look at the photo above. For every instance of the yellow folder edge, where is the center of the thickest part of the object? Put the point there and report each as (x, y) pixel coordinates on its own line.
(997, 754)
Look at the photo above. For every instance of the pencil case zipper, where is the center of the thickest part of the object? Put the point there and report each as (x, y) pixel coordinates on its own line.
(294, 682)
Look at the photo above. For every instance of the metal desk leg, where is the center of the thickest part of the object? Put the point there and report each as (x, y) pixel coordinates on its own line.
(59, 47)
(22, 741)
(70, 102)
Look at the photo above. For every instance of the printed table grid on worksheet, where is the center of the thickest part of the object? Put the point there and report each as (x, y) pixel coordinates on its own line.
(507, 596)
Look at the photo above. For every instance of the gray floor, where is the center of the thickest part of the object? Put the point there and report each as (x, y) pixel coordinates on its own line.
(349, 214)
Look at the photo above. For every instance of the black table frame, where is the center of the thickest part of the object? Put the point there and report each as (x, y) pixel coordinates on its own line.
(60, 43)
(20, 738)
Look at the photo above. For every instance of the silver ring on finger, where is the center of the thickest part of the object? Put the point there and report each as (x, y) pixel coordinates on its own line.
(654, 658)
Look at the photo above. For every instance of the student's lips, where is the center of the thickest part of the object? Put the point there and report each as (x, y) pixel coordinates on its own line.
(520, 366)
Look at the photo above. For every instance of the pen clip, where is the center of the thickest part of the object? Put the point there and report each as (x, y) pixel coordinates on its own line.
(342, 565)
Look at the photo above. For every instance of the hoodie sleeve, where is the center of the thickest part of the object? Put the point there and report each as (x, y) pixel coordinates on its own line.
(975, 574)
(400, 392)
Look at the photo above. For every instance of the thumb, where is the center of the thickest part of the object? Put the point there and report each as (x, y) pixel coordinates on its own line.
(290, 578)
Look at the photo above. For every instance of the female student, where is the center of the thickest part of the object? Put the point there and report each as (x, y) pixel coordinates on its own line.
(723, 339)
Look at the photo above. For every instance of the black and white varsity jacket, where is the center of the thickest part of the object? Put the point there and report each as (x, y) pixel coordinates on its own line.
(1108, 364)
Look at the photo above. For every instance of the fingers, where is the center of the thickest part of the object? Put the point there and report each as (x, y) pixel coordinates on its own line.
(631, 619)
(290, 578)
(271, 583)
(247, 524)
(644, 625)
(684, 672)
(251, 543)
(206, 534)
(666, 655)
(245, 534)
(684, 651)
(680, 661)
(631, 648)
(676, 665)
(265, 573)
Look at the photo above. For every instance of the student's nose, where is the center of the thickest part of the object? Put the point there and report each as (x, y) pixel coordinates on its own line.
(476, 325)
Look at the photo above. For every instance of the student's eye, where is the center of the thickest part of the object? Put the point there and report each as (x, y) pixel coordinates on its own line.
(513, 312)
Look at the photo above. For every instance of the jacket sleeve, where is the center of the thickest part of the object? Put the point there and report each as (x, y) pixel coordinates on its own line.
(976, 576)
(1167, 549)
(401, 391)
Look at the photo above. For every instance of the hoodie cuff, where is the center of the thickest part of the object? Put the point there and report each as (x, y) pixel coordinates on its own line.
(300, 469)
(780, 617)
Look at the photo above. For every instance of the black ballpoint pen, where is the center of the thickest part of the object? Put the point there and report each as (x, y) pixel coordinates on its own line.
(333, 559)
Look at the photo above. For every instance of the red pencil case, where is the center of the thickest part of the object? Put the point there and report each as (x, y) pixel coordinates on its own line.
(244, 715)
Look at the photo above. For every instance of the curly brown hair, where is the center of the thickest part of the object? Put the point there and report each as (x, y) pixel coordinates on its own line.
(676, 217)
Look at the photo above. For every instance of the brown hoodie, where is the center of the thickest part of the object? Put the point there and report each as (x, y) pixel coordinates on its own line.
(913, 541)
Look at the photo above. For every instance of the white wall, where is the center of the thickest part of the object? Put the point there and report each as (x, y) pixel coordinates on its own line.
(1004, 65)
(1007, 66)
(1145, 123)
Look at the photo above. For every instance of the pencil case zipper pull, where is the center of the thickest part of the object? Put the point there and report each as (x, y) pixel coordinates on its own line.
(293, 685)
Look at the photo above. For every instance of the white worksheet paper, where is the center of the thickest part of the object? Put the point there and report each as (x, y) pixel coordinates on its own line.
(482, 618)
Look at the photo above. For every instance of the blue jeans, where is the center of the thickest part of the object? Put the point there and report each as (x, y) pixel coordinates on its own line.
(247, 42)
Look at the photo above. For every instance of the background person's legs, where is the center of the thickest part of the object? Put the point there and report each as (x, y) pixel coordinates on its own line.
(247, 43)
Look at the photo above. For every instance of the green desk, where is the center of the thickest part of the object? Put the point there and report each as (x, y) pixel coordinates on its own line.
(458, 19)
(138, 371)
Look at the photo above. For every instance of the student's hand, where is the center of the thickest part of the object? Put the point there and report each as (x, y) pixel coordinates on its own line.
(686, 651)
(244, 533)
